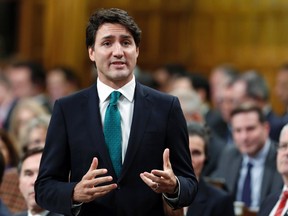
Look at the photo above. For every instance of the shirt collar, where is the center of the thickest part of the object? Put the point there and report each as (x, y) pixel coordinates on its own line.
(127, 90)
(43, 213)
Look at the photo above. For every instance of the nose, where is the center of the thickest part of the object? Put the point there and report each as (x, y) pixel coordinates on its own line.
(118, 50)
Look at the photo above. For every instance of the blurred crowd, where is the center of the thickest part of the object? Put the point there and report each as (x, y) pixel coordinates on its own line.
(28, 93)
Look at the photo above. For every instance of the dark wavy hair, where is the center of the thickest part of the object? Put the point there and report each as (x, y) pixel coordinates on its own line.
(112, 15)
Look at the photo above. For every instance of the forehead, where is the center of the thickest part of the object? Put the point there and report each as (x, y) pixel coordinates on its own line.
(112, 30)
(196, 141)
(284, 135)
(32, 161)
(245, 119)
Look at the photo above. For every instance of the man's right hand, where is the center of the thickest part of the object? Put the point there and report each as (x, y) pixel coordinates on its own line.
(88, 188)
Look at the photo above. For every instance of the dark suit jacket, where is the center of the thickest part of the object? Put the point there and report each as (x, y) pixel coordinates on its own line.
(276, 124)
(215, 148)
(217, 124)
(211, 201)
(75, 136)
(229, 168)
(26, 213)
(269, 203)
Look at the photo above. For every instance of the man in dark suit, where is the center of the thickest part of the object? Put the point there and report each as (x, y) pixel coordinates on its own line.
(28, 171)
(271, 204)
(78, 175)
(254, 148)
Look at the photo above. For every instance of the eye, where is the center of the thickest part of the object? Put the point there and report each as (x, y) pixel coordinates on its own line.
(126, 43)
(106, 43)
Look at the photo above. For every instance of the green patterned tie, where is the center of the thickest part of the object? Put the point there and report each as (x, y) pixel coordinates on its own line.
(112, 132)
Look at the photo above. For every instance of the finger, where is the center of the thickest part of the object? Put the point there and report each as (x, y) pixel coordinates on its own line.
(147, 180)
(100, 181)
(160, 174)
(94, 164)
(152, 178)
(94, 173)
(166, 159)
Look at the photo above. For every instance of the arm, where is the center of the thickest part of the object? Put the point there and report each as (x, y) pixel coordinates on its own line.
(180, 165)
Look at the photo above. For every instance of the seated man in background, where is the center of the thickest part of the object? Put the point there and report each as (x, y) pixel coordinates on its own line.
(249, 166)
(28, 171)
(276, 203)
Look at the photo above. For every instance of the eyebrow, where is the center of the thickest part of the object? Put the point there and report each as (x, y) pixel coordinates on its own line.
(112, 36)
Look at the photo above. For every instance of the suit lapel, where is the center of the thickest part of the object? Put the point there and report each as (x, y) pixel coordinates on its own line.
(142, 109)
(236, 165)
(95, 129)
(269, 170)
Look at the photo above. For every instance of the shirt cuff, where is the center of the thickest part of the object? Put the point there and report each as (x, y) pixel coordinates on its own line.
(76, 207)
(173, 200)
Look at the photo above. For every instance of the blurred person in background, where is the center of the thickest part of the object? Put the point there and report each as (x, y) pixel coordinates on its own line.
(210, 201)
(4, 211)
(281, 89)
(25, 110)
(28, 80)
(222, 98)
(165, 74)
(251, 86)
(34, 133)
(9, 191)
(271, 204)
(7, 101)
(193, 112)
(28, 170)
(219, 77)
(61, 81)
(249, 166)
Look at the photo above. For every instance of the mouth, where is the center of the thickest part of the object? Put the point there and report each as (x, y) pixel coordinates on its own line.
(118, 63)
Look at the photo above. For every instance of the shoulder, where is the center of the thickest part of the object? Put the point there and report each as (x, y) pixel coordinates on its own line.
(156, 98)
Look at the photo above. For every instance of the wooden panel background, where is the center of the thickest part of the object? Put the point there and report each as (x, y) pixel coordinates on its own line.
(251, 34)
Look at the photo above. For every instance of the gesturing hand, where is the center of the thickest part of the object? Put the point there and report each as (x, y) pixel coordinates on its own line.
(88, 188)
(161, 181)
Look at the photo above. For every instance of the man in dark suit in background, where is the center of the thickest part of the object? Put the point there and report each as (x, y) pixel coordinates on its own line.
(78, 175)
(271, 204)
(28, 171)
(252, 150)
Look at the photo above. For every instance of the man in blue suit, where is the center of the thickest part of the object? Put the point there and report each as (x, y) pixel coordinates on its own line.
(76, 174)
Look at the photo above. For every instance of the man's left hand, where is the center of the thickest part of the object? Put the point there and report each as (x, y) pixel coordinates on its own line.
(162, 181)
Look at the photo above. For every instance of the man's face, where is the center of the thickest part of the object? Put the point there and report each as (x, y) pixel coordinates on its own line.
(226, 102)
(282, 155)
(28, 174)
(115, 54)
(249, 133)
(21, 82)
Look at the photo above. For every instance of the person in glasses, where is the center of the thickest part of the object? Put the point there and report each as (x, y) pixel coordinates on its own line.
(276, 204)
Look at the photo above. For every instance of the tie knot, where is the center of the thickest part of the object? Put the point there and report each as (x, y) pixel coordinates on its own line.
(114, 97)
(249, 165)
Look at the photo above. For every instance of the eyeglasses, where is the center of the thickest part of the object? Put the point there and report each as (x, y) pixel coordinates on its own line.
(282, 146)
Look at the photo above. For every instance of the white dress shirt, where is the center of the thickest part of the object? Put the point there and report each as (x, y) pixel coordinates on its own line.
(272, 213)
(43, 213)
(125, 105)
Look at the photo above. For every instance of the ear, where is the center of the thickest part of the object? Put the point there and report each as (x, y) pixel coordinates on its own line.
(91, 52)
(137, 52)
